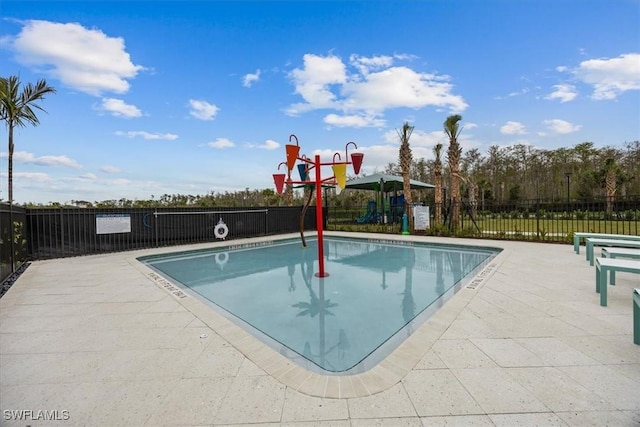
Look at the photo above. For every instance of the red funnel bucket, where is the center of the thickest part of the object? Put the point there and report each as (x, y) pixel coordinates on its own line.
(278, 178)
(292, 155)
(356, 160)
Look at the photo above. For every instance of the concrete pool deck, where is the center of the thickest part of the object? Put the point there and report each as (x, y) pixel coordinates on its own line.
(103, 341)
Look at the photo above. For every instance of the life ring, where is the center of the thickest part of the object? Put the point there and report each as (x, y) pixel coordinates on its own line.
(144, 220)
(222, 258)
(221, 231)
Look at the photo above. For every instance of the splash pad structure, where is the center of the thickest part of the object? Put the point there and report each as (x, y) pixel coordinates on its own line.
(338, 178)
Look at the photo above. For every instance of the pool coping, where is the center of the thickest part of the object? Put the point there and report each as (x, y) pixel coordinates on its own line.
(395, 366)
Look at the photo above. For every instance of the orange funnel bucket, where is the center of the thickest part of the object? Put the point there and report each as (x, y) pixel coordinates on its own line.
(292, 155)
(278, 178)
(356, 160)
(340, 172)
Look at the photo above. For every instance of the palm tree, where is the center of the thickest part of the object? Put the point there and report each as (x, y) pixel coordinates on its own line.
(405, 166)
(437, 171)
(452, 129)
(610, 173)
(16, 110)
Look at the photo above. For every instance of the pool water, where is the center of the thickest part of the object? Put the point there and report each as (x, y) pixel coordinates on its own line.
(376, 293)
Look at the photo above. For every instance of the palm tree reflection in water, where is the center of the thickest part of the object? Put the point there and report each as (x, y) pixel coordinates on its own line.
(408, 304)
(319, 306)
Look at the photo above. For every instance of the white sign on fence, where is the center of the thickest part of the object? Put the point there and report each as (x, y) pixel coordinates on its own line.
(113, 223)
(421, 217)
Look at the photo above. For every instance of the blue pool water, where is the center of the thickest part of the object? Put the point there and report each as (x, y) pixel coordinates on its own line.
(375, 295)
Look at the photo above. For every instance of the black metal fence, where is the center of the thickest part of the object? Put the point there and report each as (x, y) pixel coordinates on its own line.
(58, 233)
(538, 220)
(13, 246)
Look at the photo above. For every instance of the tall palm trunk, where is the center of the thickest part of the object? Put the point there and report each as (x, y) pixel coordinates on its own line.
(610, 183)
(452, 129)
(289, 195)
(405, 164)
(473, 197)
(16, 109)
(437, 171)
(10, 166)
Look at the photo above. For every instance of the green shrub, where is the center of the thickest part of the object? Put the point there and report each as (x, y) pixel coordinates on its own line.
(517, 233)
(542, 234)
(467, 232)
(439, 230)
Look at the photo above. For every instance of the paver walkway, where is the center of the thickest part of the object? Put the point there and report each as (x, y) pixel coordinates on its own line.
(95, 339)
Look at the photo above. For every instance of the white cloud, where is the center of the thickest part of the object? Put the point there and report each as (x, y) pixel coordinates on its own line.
(110, 169)
(400, 87)
(418, 139)
(513, 128)
(518, 93)
(84, 59)
(38, 177)
(563, 92)
(26, 157)
(249, 79)
(119, 108)
(221, 143)
(368, 88)
(269, 144)
(202, 109)
(148, 135)
(611, 77)
(313, 81)
(366, 65)
(88, 176)
(356, 121)
(561, 126)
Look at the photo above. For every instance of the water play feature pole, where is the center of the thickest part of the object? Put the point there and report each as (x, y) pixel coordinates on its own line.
(338, 178)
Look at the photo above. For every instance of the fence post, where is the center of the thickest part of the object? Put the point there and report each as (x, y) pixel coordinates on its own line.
(155, 225)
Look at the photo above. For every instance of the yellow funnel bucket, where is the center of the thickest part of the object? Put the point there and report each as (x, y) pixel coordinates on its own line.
(340, 172)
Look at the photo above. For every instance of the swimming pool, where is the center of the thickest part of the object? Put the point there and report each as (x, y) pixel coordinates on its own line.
(377, 293)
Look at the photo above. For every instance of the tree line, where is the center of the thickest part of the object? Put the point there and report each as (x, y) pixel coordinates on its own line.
(502, 174)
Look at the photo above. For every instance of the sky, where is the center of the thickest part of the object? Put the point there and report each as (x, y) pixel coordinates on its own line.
(194, 97)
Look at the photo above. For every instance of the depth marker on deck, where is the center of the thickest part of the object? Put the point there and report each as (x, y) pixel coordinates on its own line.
(481, 277)
(159, 280)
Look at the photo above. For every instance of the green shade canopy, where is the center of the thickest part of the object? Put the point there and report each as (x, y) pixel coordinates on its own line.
(389, 183)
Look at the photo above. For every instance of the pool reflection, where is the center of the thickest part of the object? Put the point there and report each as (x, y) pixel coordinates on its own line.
(375, 294)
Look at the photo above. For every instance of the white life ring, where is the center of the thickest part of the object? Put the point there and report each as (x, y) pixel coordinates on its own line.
(221, 231)
(222, 258)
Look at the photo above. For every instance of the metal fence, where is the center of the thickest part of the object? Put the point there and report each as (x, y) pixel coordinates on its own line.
(13, 246)
(56, 233)
(66, 232)
(538, 220)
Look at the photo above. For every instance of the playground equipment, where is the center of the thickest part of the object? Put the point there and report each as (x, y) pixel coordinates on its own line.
(371, 215)
(338, 178)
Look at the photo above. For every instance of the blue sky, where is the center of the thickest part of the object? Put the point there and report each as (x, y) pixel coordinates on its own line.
(192, 97)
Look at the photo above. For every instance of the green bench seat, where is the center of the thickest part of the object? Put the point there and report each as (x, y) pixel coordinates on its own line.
(579, 235)
(636, 316)
(606, 265)
(591, 242)
(619, 253)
